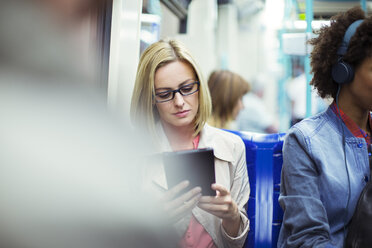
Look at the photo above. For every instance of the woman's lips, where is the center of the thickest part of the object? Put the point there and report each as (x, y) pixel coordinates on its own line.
(182, 113)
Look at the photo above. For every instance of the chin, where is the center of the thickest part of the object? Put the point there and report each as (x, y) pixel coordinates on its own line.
(182, 123)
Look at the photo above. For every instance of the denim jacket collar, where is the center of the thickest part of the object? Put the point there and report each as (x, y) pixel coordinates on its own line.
(341, 128)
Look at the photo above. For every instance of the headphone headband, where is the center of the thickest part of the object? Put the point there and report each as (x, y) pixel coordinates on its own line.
(350, 31)
(343, 72)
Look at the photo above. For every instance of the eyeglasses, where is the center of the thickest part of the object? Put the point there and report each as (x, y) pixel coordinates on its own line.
(184, 90)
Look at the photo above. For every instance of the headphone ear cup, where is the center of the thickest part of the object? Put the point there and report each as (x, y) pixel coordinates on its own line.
(342, 72)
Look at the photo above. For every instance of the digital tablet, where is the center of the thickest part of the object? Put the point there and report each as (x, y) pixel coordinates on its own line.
(196, 166)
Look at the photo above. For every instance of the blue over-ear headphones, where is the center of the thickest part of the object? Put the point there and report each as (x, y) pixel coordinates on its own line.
(343, 72)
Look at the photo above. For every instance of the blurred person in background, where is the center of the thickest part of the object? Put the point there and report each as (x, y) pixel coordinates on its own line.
(296, 90)
(227, 89)
(171, 100)
(68, 169)
(255, 117)
(325, 157)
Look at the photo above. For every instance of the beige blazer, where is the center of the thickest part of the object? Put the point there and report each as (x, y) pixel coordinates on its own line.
(231, 172)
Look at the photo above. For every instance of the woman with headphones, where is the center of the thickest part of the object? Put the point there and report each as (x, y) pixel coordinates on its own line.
(171, 102)
(325, 158)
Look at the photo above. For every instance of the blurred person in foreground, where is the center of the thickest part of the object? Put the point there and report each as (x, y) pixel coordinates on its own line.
(325, 157)
(227, 89)
(255, 117)
(68, 169)
(171, 100)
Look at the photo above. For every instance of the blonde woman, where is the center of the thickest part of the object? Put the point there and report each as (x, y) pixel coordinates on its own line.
(227, 90)
(171, 102)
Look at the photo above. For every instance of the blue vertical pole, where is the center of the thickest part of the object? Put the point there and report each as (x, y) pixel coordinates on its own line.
(363, 4)
(309, 19)
(283, 101)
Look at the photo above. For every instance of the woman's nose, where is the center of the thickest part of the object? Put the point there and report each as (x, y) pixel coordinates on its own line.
(178, 99)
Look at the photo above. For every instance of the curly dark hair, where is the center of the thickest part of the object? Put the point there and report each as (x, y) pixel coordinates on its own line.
(324, 53)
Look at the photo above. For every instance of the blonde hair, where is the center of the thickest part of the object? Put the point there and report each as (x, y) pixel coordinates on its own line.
(226, 88)
(143, 109)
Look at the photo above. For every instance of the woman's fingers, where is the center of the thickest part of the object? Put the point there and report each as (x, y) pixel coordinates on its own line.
(179, 201)
(221, 190)
(222, 215)
(223, 196)
(173, 192)
(213, 207)
(220, 205)
(223, 211)
(178, 206)
(186, 207)
(214, 200)
(190, 194)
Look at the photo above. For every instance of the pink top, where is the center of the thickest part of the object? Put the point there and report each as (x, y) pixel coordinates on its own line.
(196, 236)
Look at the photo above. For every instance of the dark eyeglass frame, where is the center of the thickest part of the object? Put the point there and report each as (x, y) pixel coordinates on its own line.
(179, 91)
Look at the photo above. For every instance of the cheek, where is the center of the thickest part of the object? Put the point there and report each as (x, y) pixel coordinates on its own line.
(364, 79)
(239, 106)
(162, 109)
(364, 85)
(361, 92)
(195, 101)
(236, 110)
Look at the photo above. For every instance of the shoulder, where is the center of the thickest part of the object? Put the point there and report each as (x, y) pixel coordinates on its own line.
(313, 133)
(226, 145)
(220, 135)
(315, 125)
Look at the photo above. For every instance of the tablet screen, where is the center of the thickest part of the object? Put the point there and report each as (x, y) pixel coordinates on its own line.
(196, 166)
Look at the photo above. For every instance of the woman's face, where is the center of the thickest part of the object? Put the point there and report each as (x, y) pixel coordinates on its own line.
(361, 87)
(239, 106)
(181, 110)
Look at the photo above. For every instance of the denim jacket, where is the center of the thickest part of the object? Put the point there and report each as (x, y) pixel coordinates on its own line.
(324, 171)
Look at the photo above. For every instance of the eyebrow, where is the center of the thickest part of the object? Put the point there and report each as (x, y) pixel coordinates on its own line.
(180, 85)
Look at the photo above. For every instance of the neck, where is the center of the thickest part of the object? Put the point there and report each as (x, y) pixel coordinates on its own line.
(180, 138)
(352, 109)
